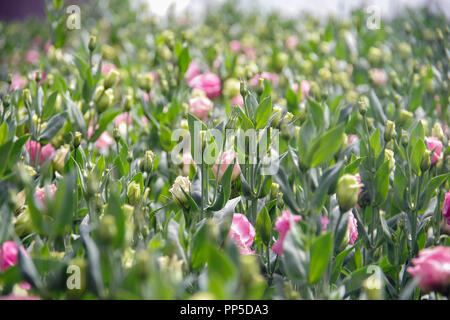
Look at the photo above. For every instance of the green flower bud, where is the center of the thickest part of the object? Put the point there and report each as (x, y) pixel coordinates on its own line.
(59, 158)
(437, 131)
(23, 224)
(108, 228)
(128, 102)
(77, 139)
(38, 76)
(425, 163)
(143, 264)
(389, 131)
(171, 267)
(6, 101)
(231, 88)
(405, 118)
(389, 156)
(347, 192)
(134, 192)
(363, 103)
(116, 134)
(10, 76)
(111, 78)
(375, 55)
(92, 43)
(105, 100)
(181, 183)
(274, 190)
(146, 164)
(26, 95)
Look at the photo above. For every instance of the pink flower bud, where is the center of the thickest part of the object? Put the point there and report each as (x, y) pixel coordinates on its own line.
(237, 101)
(199, 106)
(33, 149)
(283, 225)
(227, 158)
(378, 76)
(32, 56)
(352, 229)
(242, 233)
(107, 67)
(18, 82)
(432, 267)
(324, 221)
(269, 76)
(435, 144)
(9, 255)
(235, 45)
(291, 42)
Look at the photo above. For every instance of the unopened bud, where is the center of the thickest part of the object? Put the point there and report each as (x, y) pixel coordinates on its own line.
(146, 163)
(108, 228)
(425, 163)
(26, 97)
(92, 43)
(77, 139)
(347, 192)
(111, 78)
(134, 192)
(437, 131)
(181, 183)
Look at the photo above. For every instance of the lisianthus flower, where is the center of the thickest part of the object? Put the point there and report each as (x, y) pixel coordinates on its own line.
(324, 221)
(208, 82)
(9, 257)
(200, 106)
(446, 207)
(432, 267)
(40, 195)
(291, 42)
(269, 76)
(33, 148)
(243, 233)
(104, 141)
(191, 72)
(237, 101)
(283, 225)
(107, 67)
(378, 76)
(435, 144)
(305, 87)
(18, 82)
(32, 56)
(227, 158)
(235, 45)
(352, 229)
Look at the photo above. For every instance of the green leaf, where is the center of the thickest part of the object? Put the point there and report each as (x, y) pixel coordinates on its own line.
(294, 258)
(416, 156)
(417, 133)
(75, 114)
(321, 252)
(183, 60)
(263, 112)
(338, 262)
(106, 118)
(325, 146)
(53, 126)
(3, 133)
(264, 225)
(376, 107)
(317, 113)
(416, 97)
(382, 183)
(375, 142)
(5, 151)
(225, 190)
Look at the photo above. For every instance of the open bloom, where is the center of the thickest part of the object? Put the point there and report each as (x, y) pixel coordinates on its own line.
(237, 101)
(435, 144)
(35, 150)
(243, 233)
(104, 141)
(18, 82)
(40, 194)
(9, 257)
(305, 86)
(208, 82)
(227, 158)
(352, 229)
(378, 76)
(446, 207)
(432, 267)
(235, 45)
(181, 184)
(283, 225)
(199, 106)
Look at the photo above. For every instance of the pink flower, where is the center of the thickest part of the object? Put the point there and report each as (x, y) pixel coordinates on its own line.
(269, 76)
(33, 148)
(432, 267)
(9, 257)
(352, 229)
(353, 138)
(32, 56)
(14, 297)
(235, 45)
(208, 82)
(304, 86)
(324, 221)
(378, 76)
(122, 118)
(40, 195)
(283, 225)
(107, 67)
(291, 42)
(18, 82)
(191, 72)
(435, 144)
(446, 207)
(227, 158)
(238, 100)
(199, 106)
(104, 141)
(250, 52)
(242, 233)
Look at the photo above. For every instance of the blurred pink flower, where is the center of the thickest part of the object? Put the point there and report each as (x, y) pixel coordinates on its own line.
(352, 138)
(33, 148)
(304, 86)
(446, 207)
(235, 45)
(432, 267)
(9, 257)
(40, 195)
(291, 42)
(237, 101)
(122, 118)
(191, 72)
(242, 233)
(250, 52)
(14, 297)
(227, 158)
(18, 82)
(199, 106)
(107, 67)
(283, 225)
(104, 141)
(187, 161)
(32, 56)
(352, 229)
(435, 144)
(208, 82)
(269, 76)
(324, 221)
(378, 76)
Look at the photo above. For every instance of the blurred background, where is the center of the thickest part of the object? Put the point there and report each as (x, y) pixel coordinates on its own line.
(19, 9)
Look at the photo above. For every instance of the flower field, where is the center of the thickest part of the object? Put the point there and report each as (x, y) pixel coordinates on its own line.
(242, 156)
